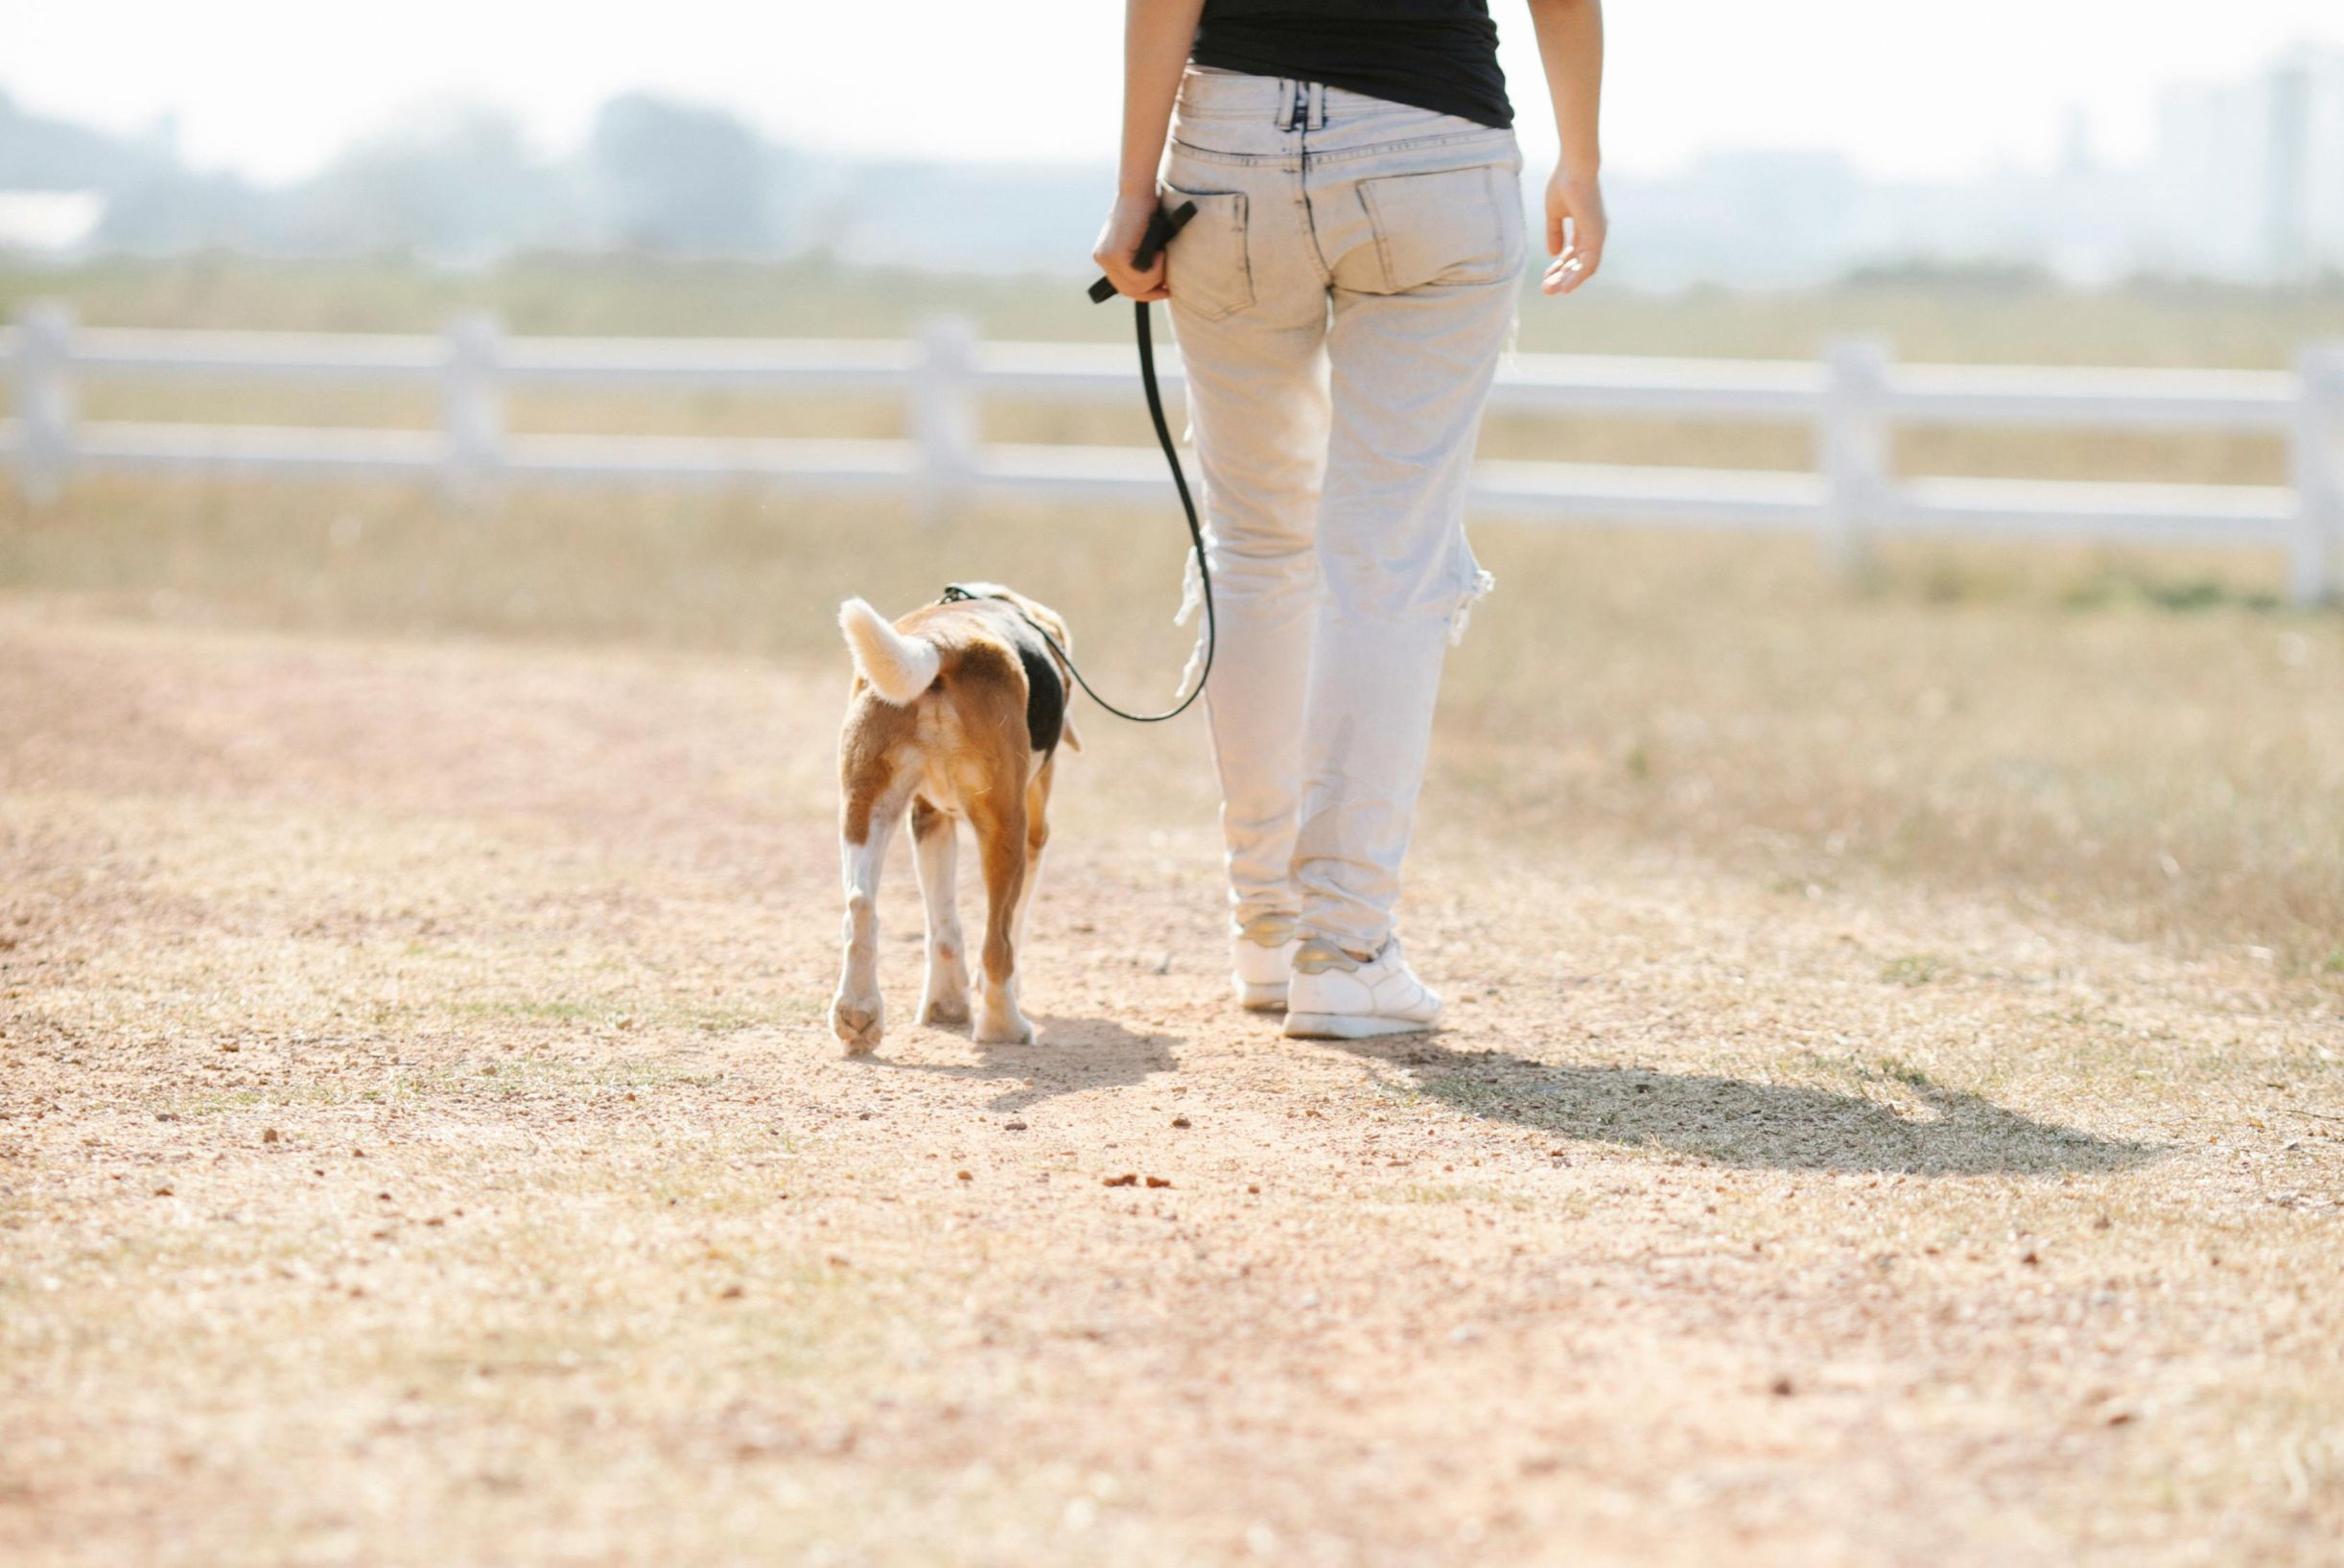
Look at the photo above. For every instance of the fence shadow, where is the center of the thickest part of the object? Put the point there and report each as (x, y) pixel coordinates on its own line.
(1732, 1121)
(1067, 1056)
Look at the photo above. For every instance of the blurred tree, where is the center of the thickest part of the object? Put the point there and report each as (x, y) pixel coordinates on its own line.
(675, 179)
(456, 183)
(39, 153)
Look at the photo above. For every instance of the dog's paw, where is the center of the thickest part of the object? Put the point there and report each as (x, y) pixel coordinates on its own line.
(857, 1028)
(1011, 1029)
(945, 1012)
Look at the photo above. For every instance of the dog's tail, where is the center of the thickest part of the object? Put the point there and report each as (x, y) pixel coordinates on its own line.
(898, 667)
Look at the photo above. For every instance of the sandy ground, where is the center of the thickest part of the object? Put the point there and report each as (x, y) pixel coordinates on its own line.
(420, 1142)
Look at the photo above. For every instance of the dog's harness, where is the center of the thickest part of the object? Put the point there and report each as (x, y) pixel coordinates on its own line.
(1161, 228)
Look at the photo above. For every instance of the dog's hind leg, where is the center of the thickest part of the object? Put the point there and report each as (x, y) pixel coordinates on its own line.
(1037, 839)
(1000, 840)
(944, 996)
(857, 1015)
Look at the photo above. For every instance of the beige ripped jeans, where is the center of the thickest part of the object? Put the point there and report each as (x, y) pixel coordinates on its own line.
(1341, 299)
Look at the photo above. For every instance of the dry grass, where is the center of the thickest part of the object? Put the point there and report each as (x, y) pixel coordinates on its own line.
(2142, 741)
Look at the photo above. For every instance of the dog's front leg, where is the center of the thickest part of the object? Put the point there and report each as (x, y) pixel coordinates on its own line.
(944, 996)
(857, 1013)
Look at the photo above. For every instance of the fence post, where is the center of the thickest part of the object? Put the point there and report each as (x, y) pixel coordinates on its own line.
(471, 407)
(1852, 449)
(43, 374)
(2315, 454)
(944, 414)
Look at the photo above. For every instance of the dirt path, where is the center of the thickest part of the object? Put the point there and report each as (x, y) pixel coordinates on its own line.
(422, 1143)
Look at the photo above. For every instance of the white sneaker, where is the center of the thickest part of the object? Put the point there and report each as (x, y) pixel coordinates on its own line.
(1336, 997)
(1260, 957)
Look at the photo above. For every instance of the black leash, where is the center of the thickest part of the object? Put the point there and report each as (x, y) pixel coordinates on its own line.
(1161, 229)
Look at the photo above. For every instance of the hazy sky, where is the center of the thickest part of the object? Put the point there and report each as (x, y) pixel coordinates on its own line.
(272, 86)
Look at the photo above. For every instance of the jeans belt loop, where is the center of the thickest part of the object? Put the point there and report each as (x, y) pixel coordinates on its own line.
(1318, 105)
(1285, 104)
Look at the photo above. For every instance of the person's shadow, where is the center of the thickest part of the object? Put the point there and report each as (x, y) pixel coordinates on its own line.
(1732, 1121)
(1068, 1055)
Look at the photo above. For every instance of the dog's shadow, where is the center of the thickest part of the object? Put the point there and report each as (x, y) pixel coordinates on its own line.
(1067, 1056)
(1733, 1121)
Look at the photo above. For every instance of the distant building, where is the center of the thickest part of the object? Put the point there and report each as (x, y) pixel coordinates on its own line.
(2251, 174)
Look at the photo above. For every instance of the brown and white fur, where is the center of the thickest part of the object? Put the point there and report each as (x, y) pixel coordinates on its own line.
(957, 711)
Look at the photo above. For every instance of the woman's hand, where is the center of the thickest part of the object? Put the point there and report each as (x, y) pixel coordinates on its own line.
(1571, 48)
(1156, 37)
(1579, 200)
(1120, 236)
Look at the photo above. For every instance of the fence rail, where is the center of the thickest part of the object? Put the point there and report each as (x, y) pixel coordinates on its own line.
(1851, 401)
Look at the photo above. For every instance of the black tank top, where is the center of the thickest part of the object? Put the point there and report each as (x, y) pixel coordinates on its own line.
(1439, 54)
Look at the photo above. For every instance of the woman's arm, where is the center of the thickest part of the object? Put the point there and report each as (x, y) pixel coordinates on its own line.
(1156, 37)
(1571, 44)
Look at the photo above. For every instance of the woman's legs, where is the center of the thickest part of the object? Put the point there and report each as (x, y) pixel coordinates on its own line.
(1411, 371)
(1411, 374)
(1257, 396)
(1335, 457)
(1341, 300)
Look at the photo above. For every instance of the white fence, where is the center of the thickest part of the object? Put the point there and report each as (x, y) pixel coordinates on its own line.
(1851, 401)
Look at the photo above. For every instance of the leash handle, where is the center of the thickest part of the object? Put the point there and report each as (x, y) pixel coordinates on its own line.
(1163, 229)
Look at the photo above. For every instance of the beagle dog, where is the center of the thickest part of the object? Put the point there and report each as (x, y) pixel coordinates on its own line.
(957, 711)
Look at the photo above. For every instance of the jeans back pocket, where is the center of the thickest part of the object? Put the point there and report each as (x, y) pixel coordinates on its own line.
(1450, 226)
(1210, 271)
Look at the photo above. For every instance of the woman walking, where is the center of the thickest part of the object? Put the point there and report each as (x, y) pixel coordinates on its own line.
(1340, 299)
